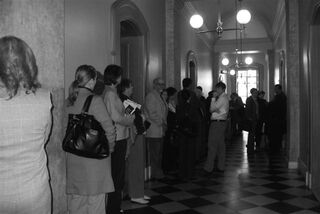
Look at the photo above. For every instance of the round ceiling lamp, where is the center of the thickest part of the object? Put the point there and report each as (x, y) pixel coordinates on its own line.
(225, 61)
(248, 60)
(196, 21)
(232, 72)
(243, 16)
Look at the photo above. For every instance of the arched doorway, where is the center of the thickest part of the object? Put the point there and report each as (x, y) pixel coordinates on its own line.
(131, 45)
(192, 68)
(314, 66)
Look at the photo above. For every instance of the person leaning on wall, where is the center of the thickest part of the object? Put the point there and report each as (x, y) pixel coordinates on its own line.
(88, 180)
(25, 124)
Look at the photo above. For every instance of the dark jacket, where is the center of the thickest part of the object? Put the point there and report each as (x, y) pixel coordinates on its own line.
(251, 109)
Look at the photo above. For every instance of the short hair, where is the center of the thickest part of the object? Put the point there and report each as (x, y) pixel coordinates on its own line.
(261, 92)
(221, 85)
(111, 74)
(171, 91)
(124, 84)
(186, 82)
(278, 86)
(18, 66)
(253, 90)
(199, 87)
(156, 80)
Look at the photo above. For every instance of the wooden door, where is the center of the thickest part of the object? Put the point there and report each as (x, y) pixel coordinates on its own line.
(132, 62)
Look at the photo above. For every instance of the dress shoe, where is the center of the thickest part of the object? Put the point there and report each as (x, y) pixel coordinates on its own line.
(146, 197)
(139, 200)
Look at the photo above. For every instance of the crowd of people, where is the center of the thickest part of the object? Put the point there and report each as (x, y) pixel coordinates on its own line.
(180, 128)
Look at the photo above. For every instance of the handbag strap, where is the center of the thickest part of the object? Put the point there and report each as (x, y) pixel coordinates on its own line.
(87, 104)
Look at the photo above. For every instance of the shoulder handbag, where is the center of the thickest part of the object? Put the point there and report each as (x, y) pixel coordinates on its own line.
(85, 136)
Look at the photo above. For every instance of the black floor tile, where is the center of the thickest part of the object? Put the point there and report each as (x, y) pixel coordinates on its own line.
(283, 207)
(186, 212)
(237, 205)
(195, 202)
(201, 192)
(277, 186)
(165, 189)
(159, 199)
(280, 196)
(144, 210)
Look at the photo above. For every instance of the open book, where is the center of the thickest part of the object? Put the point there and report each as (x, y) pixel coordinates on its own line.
(130, 106)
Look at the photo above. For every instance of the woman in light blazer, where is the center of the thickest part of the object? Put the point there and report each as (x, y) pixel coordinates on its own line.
(88, 180)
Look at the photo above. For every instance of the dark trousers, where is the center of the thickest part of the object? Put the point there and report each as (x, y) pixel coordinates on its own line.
(155, 146)
(117, 169)
(187, 156)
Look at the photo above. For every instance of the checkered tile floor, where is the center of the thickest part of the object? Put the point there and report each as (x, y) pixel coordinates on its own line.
(251, 184)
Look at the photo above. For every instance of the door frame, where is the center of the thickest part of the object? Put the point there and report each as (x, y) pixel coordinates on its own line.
(314, 97)
(126, 10)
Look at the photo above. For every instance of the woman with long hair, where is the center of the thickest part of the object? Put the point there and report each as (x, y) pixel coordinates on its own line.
(88, 180)
(25, 124)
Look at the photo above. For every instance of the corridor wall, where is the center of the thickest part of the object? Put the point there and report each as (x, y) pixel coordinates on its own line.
(89, 35)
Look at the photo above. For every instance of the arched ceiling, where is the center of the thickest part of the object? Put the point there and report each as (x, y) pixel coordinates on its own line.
(263, 14)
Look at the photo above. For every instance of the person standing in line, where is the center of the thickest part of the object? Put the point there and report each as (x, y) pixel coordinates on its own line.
(170, 147)
(88, 180)
(25, 124)
(219, 109)
(252, 114)
(262, 119)
(202, 136)
(135, 148)
(115, 107)
(188, 117)
(156, 113)
(277, 122)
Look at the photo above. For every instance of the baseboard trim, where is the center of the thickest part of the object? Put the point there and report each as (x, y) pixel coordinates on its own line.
(293, 165)
(302, 167)
(316, 192)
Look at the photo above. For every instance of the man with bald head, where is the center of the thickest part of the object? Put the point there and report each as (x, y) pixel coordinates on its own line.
(156, 112)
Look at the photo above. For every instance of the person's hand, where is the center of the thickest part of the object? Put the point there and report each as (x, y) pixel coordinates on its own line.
(215, 95)
(111, 147)
(127, 152)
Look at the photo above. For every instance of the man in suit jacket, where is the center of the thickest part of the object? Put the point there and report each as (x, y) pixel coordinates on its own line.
(156, 111)
(252, 113)
(188, 118)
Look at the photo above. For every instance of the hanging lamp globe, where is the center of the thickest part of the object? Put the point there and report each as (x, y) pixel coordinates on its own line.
(243, 16)
(248, 60)
(225, 61)
(196, 21)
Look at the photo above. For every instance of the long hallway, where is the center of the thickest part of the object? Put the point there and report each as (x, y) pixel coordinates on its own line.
(255, 184)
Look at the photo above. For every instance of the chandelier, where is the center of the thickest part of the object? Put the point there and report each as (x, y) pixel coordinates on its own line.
(243, 17)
